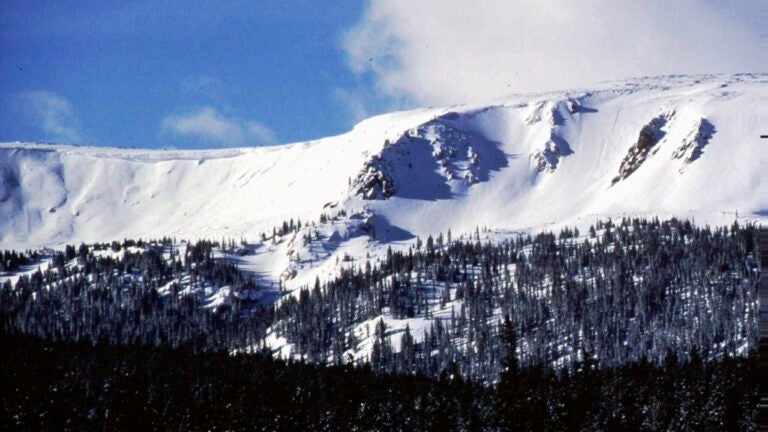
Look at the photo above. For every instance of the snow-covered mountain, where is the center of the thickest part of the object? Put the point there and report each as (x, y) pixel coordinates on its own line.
(300, 213)
(687, 146)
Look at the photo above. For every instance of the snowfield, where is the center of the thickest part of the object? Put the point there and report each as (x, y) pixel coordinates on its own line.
(523, 163)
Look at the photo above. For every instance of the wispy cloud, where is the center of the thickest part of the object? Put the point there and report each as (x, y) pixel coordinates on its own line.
(208, 124)
(354, 103)
(448, 51)
(53, 114)
(260, 132)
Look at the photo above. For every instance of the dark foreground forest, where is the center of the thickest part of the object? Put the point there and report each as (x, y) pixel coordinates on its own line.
(85, 386)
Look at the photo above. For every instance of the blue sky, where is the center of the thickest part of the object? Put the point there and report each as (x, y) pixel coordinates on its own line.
(228, 73)
(111, 73)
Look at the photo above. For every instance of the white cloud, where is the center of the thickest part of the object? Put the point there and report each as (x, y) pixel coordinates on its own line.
(210, 125)
(260, 132)
(446, 51)
(353, 102)
(53, 114)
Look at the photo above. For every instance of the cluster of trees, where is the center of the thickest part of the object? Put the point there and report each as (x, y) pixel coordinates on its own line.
(632, 290)
(152, 295)
(290, 226)
(82, 386)
(325, 217)
(11, 261)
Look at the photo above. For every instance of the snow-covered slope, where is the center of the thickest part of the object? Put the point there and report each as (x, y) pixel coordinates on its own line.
(687, 146)
(632, 149)
(53, 194)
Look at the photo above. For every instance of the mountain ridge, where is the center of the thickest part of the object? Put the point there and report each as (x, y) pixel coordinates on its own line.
(537, 159)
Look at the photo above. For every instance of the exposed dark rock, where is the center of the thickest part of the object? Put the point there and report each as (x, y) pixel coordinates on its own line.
(694, 143)
(375, 181)
(649, 136)
(428, 162)
(549, 157)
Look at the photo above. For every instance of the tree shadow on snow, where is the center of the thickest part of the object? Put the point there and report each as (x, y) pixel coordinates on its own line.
(387, 232)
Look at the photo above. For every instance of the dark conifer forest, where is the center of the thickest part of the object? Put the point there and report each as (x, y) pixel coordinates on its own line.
(634, 325)
(84, 386)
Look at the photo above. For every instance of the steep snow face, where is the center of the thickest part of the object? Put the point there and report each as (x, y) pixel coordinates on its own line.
(527, 162)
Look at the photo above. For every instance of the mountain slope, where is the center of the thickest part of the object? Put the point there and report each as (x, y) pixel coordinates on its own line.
(521, 163)
(567, 164)
(347, 215)
(51, 195)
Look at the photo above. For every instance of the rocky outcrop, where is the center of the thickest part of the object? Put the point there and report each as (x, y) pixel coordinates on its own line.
(694, 143)
(375, 182)
(649, 137)
(547, 158)
(431, 161)
(549, 115)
